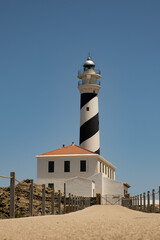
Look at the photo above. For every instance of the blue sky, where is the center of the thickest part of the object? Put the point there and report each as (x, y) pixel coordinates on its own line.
(42, 46)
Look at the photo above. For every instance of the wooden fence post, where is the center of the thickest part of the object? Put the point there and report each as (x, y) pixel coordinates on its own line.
(69, 203)
(31, 198)
(89, 202)
(153, 200)
(72, 202)
(132, 202)
(12, 195)
(141, 202)
(77, 203)
(52, 200)
(43, 198)
(64, 198)
(148, 201)
(159, 198)
(80, 203)
(132, 206)
(144, 201)
(138, 202)
(59, 202)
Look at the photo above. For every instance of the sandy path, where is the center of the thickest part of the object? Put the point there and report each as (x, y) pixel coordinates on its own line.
(96, 222)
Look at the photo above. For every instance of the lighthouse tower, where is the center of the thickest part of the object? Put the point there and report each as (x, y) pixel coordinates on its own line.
(89, 86)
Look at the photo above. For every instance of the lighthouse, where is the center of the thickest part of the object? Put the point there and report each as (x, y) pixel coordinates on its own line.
(89, 86)
(84, 171)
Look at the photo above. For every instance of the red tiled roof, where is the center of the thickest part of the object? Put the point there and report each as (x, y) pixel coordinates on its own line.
(71, 149)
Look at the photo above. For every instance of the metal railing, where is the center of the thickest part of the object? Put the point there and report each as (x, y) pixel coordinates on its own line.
(98, 82)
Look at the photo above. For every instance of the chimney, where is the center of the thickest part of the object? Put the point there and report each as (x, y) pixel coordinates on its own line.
(72, 143)
(63, 145)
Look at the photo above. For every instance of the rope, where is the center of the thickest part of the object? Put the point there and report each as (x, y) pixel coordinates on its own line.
(4, 177)
(15, 180)
(22, 182)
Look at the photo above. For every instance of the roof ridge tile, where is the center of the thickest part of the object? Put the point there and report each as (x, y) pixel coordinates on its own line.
(70, 149)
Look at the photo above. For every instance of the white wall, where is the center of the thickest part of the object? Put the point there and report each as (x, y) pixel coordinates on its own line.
(103, 184)
(112, 187)
(97, 178)
(80, 187)
(58, 177)
(108, 188)
(112, 192)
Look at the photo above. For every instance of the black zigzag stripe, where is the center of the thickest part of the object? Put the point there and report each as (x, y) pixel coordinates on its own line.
(86, 97)
(98, 151)
(89, 128)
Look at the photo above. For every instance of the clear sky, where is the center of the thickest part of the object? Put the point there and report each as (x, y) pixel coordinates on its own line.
(42, 46)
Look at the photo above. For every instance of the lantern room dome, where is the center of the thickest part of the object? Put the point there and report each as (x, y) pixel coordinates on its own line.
(89, 64)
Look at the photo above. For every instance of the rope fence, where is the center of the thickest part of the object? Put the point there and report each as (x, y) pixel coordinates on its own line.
(15, 180)
(146, 202)
(64, 204)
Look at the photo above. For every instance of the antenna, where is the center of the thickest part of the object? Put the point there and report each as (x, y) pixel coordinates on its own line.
(89, 55)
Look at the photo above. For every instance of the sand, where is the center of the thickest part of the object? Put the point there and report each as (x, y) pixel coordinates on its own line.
(96, 222)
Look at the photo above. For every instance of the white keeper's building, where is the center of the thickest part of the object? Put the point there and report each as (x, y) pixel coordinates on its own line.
(82, 168)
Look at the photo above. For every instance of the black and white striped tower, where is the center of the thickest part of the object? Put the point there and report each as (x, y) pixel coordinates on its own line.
(89, 86)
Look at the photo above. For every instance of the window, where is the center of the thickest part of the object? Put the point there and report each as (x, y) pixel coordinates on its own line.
(50, 185)
(51, 166)
(87, 108)
(66, 166)
(83, 165)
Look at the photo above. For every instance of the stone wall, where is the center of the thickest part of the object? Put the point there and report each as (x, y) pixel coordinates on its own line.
(22, 200)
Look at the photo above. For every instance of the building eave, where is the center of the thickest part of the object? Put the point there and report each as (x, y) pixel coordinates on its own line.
(66, 155)
(105, 161)
(78, 155)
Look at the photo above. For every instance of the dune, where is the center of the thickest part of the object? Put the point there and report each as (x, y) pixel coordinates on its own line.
(97, 222)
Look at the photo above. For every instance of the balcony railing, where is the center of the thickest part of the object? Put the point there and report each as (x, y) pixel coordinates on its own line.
(98, 82)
